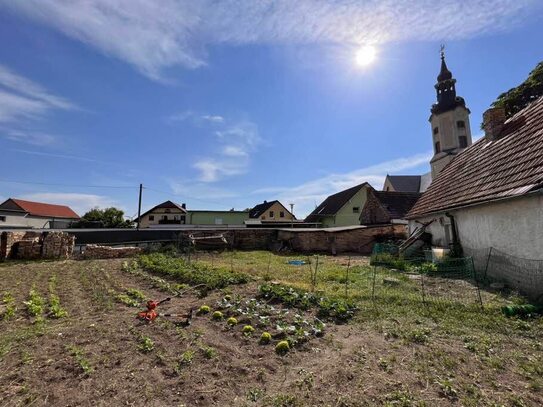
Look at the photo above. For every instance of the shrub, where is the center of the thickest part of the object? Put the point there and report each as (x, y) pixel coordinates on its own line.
(217, 315)
(232, 321)
(282, 347)
(266, 338)
(204, 309)
(248, 330)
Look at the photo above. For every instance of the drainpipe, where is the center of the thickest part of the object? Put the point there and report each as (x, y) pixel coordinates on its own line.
(456, 246)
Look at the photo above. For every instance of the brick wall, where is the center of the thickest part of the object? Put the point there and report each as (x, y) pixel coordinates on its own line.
(359, 240)
(93, 251)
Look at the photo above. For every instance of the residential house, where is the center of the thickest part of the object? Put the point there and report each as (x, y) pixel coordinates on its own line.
(210, 217)
(18, 213)
(342, 208)
(273, 211)
(491, 194)
(384, 207)
(407, 183)
(163, 215)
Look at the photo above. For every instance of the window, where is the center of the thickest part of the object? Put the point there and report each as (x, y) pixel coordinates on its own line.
(438, 147)
(2, 218)
(271, 214)
(167, 210)
(436, 130)
(463, 140)
(151, 217)
(356, 209)
(282, 214)
(183, 220)
(461, 124)
(175, 217)
(164, 217)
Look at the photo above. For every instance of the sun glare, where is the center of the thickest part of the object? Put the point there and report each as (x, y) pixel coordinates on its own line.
(365, 55)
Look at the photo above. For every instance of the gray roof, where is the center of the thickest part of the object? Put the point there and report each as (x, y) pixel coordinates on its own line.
(405, 183)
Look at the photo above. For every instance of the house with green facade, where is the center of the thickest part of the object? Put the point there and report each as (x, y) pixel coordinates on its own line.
(210, 217)
(342, 208)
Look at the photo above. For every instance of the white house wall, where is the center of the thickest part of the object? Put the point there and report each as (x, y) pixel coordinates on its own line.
(20, 220)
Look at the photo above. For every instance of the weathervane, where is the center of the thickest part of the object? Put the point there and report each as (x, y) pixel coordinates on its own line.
(442, 51)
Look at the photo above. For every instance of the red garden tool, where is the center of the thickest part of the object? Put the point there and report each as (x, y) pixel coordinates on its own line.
(150, 314)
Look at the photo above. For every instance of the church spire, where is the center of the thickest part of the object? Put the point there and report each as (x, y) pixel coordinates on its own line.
(444, 74)
(445, 88)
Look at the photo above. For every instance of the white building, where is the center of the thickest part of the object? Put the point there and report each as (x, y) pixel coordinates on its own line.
(18, 213)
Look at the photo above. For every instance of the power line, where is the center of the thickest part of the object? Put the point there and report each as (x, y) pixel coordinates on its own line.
(184, 196)
(69, 185)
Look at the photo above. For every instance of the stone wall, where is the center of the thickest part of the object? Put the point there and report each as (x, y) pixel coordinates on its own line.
(93, 251)
(35, 245)
(341, 240)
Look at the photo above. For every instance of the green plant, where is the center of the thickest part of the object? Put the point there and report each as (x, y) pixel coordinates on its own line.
(248, 330)
(127, 300)
(135, 294)
(146, 344)
(10, 308)
(209, 352)
(204, 309)
(217, 315)
(35, 303)
(55, 309)
(282, 347)
(81, 360)
(232, 321)
(446, 388)
(265, 338)
(187, 357)
(193, 274)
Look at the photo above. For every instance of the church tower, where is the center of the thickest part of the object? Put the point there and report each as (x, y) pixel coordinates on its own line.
(451, 132)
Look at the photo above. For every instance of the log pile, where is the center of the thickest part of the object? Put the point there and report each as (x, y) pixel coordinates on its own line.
(36, 245)
(57, 245)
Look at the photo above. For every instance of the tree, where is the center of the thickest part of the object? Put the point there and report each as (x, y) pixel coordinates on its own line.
(518, 98)
(109, 217)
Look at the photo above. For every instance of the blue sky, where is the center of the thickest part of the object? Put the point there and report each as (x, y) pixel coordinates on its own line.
(225, 104)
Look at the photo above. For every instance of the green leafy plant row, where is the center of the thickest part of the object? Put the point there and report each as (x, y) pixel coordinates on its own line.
(329, 308)
(193, 274)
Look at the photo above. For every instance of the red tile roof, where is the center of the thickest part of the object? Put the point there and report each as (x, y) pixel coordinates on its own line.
(45, 209)
(510, 166)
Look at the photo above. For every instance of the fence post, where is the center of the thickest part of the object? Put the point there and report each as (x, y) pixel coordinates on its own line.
(487, 261)
(373, 285)
(422, 287)
(347, 277)
(477, 282)
(269, 263)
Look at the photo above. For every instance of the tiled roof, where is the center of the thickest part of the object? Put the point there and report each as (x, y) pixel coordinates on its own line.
(510, 166)
(332, 204)
(397, 204)
(41, 209)
(405, 183)
(261, 208)
(165, 205)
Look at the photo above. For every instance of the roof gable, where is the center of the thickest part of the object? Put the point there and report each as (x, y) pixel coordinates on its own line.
(405, 183)
(397, 204)
(165, 205)
(510, 166)
(39, 209)
(261, 208)
(332, 204)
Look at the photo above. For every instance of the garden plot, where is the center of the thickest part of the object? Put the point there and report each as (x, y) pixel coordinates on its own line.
(75, 340)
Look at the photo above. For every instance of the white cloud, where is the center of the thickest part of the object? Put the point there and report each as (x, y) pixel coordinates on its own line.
(153, 36)
(311, 193)
(238, 140)
(212, 118)
(80, 203)
(34, 138)
(22, 100)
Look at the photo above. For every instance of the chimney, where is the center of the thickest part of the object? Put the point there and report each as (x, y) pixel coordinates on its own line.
(184, 205)
(493, 121)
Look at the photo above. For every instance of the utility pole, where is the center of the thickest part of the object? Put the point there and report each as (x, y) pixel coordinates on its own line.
(139, 207)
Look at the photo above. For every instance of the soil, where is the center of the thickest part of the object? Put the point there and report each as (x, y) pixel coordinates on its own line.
(351, 365)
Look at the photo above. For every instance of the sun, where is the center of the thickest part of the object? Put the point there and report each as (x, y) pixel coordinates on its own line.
(365, 55)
